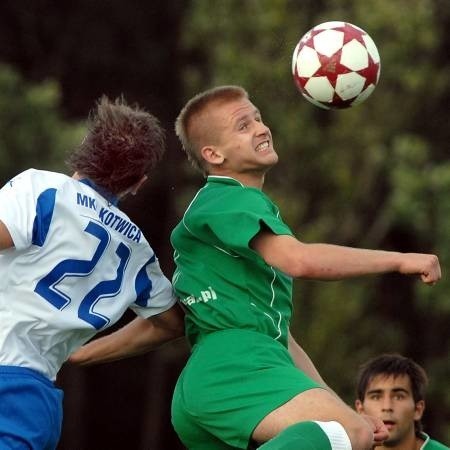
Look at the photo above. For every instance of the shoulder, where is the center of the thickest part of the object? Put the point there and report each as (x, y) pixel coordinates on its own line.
(431, 444)
(39, 177)
(435, 445)
(30, 183)
(232, 198)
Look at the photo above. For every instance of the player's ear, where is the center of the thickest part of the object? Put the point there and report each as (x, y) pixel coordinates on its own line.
(359, 406)
(419, 409)
(212, 155)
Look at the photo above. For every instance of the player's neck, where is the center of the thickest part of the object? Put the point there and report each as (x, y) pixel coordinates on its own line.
(249, 179)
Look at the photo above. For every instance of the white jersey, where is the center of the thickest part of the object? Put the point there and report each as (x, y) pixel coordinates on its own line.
(77, 265)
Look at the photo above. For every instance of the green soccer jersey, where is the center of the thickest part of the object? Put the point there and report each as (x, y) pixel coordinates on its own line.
(219, 279)
(430, 444)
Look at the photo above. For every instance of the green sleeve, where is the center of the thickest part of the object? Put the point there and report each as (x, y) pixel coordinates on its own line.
(243, 213)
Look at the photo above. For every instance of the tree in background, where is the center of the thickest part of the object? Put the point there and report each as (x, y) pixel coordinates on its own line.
(90, 49)
(32, 131)
(377, 175)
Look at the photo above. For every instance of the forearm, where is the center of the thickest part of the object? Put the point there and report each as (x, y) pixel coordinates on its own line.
(304, 362)
(137, 337)
(333, 262)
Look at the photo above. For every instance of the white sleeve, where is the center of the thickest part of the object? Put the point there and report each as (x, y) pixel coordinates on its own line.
(161, 296)
(18, 208)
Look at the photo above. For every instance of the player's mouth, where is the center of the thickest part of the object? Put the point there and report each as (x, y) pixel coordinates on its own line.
(389, 424)
(262, 147)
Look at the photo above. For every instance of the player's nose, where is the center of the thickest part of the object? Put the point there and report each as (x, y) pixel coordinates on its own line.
(262, 128)
(386, 404)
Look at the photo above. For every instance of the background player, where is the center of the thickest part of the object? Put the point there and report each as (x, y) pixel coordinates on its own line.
(71, 263)
(392, 388)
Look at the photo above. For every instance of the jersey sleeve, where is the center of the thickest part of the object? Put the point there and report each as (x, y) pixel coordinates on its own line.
(154, 292)
(241, 217)
(18, 207)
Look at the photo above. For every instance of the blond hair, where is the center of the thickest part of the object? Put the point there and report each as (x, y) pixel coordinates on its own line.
(190, 131)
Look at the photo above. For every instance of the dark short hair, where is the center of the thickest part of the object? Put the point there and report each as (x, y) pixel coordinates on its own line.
(393, 365)
(123, 143)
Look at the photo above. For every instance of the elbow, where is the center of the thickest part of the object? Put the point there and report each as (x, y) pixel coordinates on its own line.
(174, 327)
(294, 259)
(299, 268)
(178, 330)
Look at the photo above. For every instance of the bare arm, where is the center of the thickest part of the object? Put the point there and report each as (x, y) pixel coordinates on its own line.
(333, 262)
(5, 238)
(304, 363)
(137, 337)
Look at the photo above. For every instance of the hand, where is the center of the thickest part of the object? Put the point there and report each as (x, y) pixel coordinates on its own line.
(427, 266)
(77, 357)
(380, 432)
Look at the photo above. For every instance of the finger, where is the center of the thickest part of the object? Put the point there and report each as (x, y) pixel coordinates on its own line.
(430, 278)
(380, 436)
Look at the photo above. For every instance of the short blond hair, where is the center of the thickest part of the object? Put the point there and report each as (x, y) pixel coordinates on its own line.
(189, 131)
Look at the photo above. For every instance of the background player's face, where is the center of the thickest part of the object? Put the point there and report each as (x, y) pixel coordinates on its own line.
(390, 398)
(242, 139)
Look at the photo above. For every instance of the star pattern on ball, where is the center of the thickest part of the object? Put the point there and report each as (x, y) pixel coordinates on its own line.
(370, 73)
(350, 33)
(309, 39)
(331, 67)
(335, 65)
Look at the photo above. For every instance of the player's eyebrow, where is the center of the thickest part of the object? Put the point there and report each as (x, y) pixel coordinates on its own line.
(247, 114)
(379, 390)
(374, 391)
(400, 389)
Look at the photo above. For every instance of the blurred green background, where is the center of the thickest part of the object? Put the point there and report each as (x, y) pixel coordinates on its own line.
(375, 176)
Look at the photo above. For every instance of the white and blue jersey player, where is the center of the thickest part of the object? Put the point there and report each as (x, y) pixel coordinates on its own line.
(77, 263)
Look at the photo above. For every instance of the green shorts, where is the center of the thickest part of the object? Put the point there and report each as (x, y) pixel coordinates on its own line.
(232, 380)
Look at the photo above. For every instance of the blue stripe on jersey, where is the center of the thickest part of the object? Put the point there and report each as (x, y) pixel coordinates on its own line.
(113, 199)
(44, 213)
(143, 284)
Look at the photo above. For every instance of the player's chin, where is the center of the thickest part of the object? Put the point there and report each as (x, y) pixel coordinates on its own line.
(269, 156)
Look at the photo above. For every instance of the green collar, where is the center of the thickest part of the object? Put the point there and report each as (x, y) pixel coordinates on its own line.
(223, 180)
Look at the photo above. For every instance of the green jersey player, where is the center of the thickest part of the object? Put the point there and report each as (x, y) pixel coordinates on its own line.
(247, 382)
(392, 387)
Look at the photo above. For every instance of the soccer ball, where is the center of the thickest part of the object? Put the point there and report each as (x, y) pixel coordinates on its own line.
(336, 65)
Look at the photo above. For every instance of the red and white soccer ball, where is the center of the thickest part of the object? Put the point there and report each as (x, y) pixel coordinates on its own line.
(336, 65)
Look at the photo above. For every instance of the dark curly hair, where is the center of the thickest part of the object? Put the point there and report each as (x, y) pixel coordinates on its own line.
(123, 143)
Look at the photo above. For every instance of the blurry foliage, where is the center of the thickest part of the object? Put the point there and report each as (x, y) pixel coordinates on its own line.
(375, 176)
(88, 49)
(32, 131)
